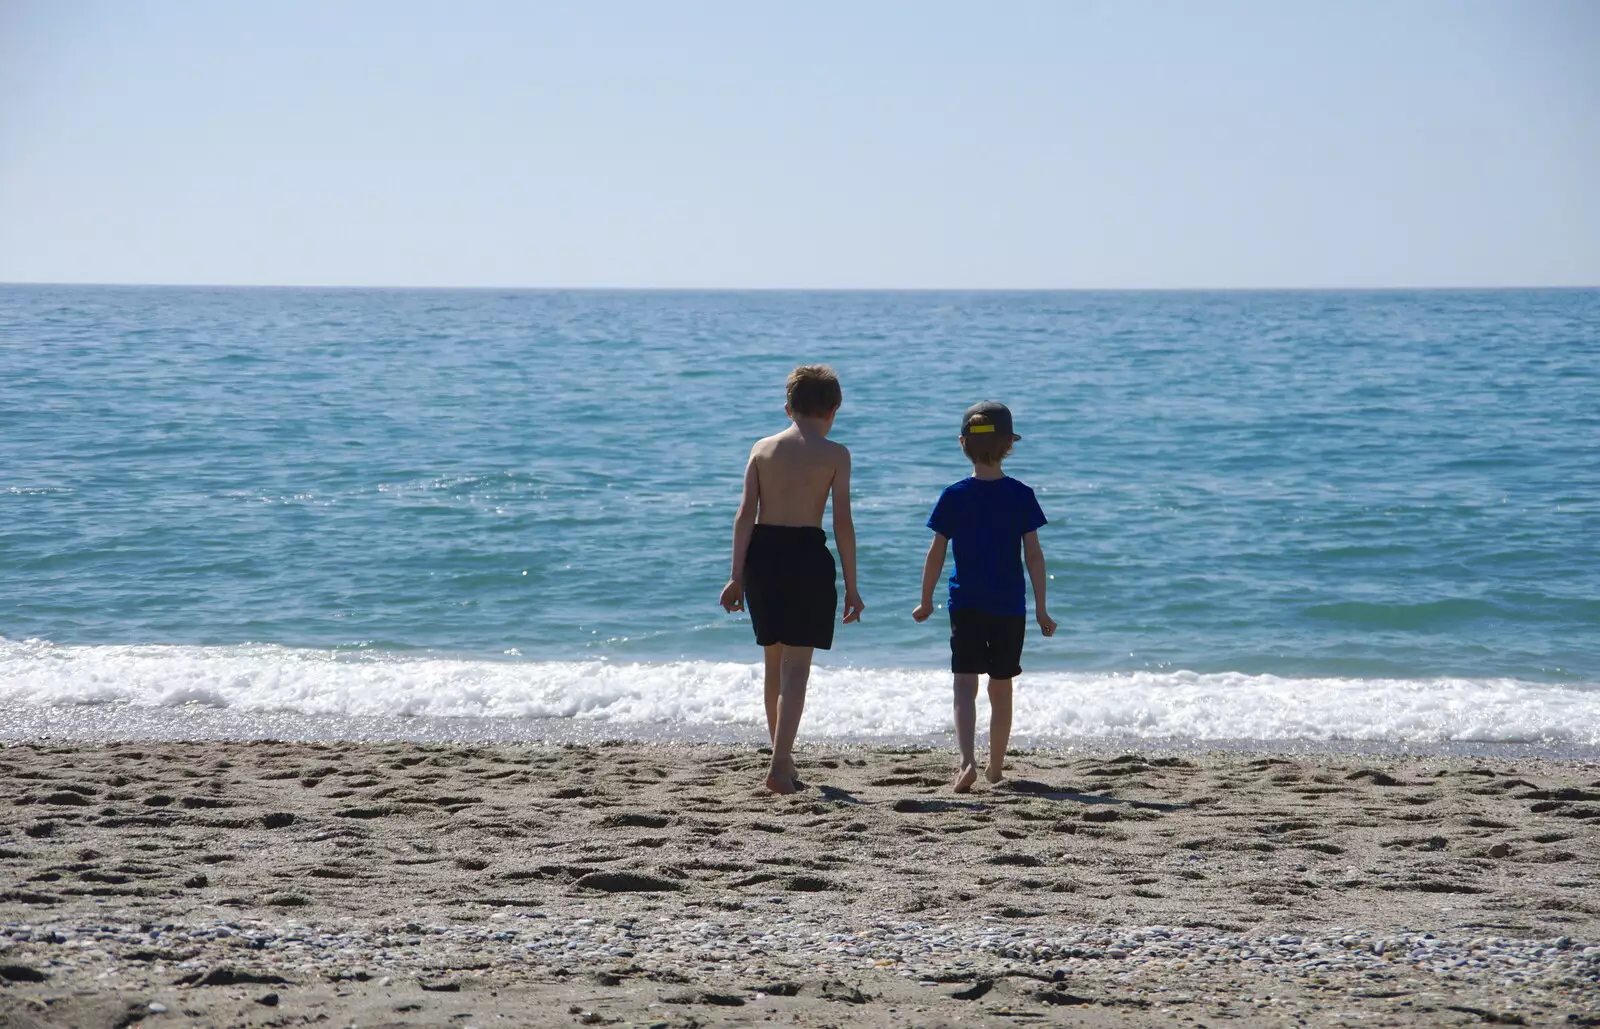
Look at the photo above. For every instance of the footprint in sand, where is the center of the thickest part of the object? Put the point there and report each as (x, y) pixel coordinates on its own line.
(635, 819)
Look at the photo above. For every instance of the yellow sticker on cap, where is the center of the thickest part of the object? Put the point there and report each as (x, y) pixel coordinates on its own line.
(980, 428)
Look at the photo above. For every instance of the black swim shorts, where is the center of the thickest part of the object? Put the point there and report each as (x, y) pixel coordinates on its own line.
(986, 644)
(789, 586)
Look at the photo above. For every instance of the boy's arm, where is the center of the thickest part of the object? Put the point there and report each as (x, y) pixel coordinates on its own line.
(1033, 557)
(844, 537)
(744, 521)
(932, 565)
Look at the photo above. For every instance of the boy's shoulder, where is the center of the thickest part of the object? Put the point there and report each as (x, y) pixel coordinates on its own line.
(765, 444)
(974, 494)
(795, 444)
(1007, 483)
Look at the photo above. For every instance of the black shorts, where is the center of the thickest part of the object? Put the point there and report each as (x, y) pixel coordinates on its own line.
(986, 644)
(789, 586)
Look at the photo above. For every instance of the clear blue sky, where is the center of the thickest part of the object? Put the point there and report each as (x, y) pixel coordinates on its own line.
(818, 144)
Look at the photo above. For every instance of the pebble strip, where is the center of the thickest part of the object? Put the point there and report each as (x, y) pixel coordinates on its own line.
(114, 954)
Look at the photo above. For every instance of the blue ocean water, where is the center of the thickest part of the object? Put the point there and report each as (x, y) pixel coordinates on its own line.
(481, 502)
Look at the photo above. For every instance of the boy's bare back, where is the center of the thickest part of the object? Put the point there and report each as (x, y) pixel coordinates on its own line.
(795, 471)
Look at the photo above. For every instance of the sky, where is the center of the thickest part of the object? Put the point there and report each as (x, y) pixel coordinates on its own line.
(1064, 144)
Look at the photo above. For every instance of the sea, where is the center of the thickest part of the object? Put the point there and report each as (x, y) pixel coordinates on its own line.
(1318, 518)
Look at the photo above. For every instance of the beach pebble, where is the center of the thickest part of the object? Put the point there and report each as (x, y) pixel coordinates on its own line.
(723, 943)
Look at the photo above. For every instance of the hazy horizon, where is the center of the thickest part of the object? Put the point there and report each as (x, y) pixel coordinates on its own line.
(423, 288)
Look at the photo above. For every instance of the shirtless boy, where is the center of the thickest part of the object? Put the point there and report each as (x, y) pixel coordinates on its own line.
(781, 565)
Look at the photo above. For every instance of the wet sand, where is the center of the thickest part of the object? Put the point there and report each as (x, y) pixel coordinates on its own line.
(407, 884)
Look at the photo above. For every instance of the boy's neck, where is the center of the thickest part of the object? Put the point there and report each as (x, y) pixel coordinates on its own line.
(987, 471)
(809, 427)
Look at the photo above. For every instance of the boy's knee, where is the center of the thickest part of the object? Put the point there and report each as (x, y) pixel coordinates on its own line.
(999, 687)
(797, 657)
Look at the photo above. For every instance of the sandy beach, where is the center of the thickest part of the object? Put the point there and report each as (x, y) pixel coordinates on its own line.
(286, 884)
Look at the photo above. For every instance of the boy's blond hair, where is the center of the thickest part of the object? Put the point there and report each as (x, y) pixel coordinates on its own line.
(988, 449)
(813, 390)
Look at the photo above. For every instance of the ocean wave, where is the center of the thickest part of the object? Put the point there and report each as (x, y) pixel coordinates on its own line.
(844, 701)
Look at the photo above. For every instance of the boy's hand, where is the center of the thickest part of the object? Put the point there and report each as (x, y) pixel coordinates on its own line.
(921, 612)
(732, 598)
(852, 606)
(1047, 625)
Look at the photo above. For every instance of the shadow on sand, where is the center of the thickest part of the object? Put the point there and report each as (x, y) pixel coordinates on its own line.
(1033, 788)
(1014, 787)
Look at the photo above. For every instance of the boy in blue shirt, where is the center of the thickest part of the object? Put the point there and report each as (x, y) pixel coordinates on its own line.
(994, 522)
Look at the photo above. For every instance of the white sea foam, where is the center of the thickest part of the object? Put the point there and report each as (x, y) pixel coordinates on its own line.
(844, 701)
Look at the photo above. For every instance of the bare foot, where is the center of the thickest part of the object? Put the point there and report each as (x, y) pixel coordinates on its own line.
(994, 773)
(966, 775)
(779, 783)
(794, 776)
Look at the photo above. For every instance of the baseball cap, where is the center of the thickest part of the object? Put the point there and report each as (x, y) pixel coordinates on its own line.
(996, 419)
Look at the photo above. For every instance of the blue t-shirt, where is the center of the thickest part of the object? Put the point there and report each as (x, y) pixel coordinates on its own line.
(985, 520)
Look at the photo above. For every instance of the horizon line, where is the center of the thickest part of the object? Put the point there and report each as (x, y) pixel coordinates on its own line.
(807, 289)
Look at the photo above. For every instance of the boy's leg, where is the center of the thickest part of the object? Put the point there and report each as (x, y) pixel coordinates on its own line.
(773, 687)
(773, 659)
(794, 672)
(966, 707)
(999, 727)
